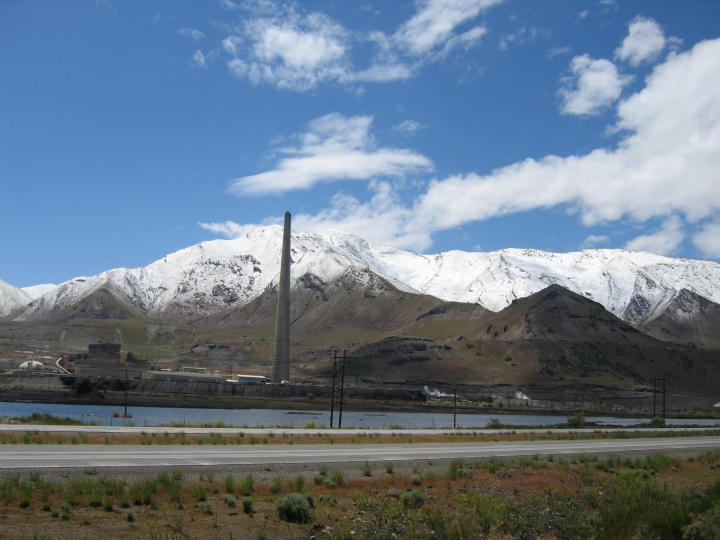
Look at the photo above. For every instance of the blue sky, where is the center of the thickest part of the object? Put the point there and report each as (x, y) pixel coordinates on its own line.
(132, 129)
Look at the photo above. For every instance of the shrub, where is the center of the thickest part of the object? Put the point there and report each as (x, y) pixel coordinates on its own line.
(247, 504)
(275, 485)
(576, 420)
(229, 500)
(229, 484)
(246, 486)
(25, 495)
(413, 499)
(416, 480)
(389, 468)
(294, 508)
(338, 479)
(318, 480)
(200, 493)
(300, 484)
(459, 470)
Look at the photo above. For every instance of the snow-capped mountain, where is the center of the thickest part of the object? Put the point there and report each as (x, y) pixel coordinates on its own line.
(36, 291)
(221, 274)
(11, 298)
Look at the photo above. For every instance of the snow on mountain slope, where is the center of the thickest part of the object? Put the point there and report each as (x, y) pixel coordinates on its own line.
(11, 298)
(222, 274)
(36, 291)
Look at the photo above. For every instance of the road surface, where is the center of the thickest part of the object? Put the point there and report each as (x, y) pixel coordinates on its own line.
(96, 456)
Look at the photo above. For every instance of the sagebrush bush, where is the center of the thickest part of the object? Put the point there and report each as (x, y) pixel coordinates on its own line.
(413, 499)
(294, 508)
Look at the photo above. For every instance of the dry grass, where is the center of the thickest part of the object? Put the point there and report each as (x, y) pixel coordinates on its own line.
(554, 497)
(289, 438)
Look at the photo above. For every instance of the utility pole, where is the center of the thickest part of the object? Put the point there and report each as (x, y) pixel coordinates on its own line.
(342, 387)
(126, 391)
(654, 396)
(662, 379)
(332, 391)
(455, 407)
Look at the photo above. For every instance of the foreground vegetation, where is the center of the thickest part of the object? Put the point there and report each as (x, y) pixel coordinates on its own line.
(239, 438)
(651, 497)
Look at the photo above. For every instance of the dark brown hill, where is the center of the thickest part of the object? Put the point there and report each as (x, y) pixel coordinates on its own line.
(687, 318)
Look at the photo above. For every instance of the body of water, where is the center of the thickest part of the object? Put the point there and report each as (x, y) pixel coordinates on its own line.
(154, 416)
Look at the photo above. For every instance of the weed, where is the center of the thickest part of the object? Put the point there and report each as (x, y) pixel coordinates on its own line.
(338, 479)
(246, 485)
(275, 485)
(299, 484)
(229, 484)
(199, 492)
(247, 504)
(229, 500)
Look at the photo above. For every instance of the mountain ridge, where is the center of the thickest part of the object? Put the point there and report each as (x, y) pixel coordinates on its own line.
(220, 275)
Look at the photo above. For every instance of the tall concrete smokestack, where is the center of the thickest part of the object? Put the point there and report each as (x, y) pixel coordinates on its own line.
(281, 368)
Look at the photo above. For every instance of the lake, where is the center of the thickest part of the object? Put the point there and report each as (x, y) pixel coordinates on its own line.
(154, 416)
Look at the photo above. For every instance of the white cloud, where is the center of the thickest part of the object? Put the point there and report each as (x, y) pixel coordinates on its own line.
(382, 220)
(595, 85)
(583, 14)
(230, 229)
(192, 33)
(708, 239)
(435, 21)
(525, 34)
(558, 51)
(667, 163)
(408, 126)
(198, 59)
(280, 46)
(289, 50)
(643, 43)
(594, 240)
(663, 242)
(383, 72)
(333, 148)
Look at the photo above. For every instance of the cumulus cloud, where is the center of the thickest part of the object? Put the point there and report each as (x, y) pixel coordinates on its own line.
(593, 87)
(382, 220)
(665, 166)
(643, 43)
(280, 46)
(663, 241)
(434, 23)
(667, 163)
(333, 148)
(708, 239)
(289, 50)
(192, 33)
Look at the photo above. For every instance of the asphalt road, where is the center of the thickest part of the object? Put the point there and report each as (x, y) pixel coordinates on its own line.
(97, 456)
